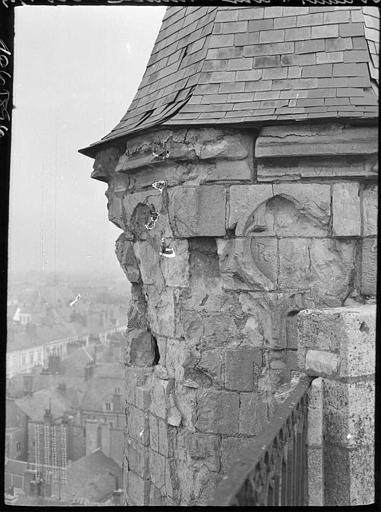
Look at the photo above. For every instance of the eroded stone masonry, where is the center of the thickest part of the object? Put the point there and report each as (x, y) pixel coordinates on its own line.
(227, 234)
(243, 179)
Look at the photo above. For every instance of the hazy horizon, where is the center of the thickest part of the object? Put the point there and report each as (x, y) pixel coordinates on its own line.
(73, 94)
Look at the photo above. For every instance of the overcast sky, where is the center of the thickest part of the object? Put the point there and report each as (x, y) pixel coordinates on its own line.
(76, 72)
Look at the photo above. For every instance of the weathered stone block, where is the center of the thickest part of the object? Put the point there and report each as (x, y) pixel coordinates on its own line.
(282, 141)
(317, 167)
(205, 447)
(369, 210)
(217, 412)
(319, 329)
(323, 265)
(346, 209)
(253, 417)
(248, 264)
(226, 170)
(349, 476)
(138, 425)
(349, 413)
(230, 147)
(176, 270)
(163, 438)
(176, 355)
(309, 212)
(115, 210)
(242, 367)
(105, 164)
(119, 182)
(230, 450)
(315, 477)
(137, 490)
(348, 331)
(369, 266)
(153, 433)
(137, 209)
(319, 362)
(197, 211)
(138, 458)
(159, 398)
(358, 346)
(147, 256)
(361, 463)
(219, 329)
(155, 498)
(315, 413)
(269, 313)
(161, 311)
(157, 469)
(127, 259)
(211, 363)
(244, 200)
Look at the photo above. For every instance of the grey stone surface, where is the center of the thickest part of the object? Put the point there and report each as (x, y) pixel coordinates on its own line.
(346, 209)
(369, 210)
(369, 266)
(248, 264)
(217, 412)
(241, 367)
(244, 199)
(197, 211)
(332, 139)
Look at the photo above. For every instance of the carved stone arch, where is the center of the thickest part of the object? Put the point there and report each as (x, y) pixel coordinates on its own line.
(285, 215)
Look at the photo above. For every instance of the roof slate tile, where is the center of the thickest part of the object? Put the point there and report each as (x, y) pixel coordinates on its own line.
(271, 36)
(310, 19)
(287, 22)
(351, 29)
(318, 70)
(325, 31)
(298, 34)
(336, 17)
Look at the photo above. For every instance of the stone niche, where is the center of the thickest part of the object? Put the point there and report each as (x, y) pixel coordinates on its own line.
(226, 235)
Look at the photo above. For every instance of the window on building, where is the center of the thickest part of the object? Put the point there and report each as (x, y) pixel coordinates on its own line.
(23, 359)
(117, 390)
(18, 448)
(108, 406)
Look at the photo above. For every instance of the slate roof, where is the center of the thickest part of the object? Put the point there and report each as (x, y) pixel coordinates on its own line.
(92, 477)
(34, 406)
(102, 386)
(230, 65)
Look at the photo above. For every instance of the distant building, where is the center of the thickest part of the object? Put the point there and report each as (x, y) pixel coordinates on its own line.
(92, 479)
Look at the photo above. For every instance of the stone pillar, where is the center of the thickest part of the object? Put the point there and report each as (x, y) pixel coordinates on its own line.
(226, 236)
(338, 346)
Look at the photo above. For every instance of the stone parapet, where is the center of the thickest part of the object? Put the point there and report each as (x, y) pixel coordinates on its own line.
(338, 346)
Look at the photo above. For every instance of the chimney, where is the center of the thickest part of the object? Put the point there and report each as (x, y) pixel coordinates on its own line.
(117, 497)
(48, 418)
(116, 402)
(62, 387)
(117, 494)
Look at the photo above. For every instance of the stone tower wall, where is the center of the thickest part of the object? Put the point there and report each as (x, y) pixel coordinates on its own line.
(248, 228)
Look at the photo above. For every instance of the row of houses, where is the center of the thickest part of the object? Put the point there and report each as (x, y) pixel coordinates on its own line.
(57, 419)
